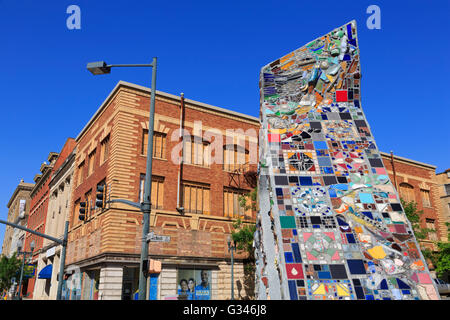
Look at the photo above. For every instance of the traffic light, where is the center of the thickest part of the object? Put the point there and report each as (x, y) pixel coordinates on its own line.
(82, 213)
(100, 196)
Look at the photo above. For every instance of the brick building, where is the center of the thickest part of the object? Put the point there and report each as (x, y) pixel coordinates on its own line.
(38, 215)
(416, 181)
(111, 151)
(18, 212)
(60, 183)
(443, 180)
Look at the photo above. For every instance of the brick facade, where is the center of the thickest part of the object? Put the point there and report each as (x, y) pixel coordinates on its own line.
(38, 213)
(12, 235)
(114, 235)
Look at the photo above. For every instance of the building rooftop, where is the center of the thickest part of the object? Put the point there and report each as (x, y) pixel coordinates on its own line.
(166, 95)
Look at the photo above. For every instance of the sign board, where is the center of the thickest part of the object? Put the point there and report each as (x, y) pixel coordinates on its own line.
(152, 237)
(51, 252)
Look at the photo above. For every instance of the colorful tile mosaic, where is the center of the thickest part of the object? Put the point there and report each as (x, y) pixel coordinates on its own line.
(331, 225)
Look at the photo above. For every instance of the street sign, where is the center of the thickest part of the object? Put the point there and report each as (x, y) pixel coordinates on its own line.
(152, 237)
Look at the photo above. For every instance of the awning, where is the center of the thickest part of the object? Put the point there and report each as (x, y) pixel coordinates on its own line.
(46, 273)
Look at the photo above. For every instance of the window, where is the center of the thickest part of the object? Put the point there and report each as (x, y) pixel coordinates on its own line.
(432, 235)
(407, 192)
(91, 162)
(234, 157)
(80, 173)
(232, 203)
(447, 189)
(425, 197)
(196, 198)
(104, 150)
(196, 151)
(76, 211)
(159, 144)
(157, 191)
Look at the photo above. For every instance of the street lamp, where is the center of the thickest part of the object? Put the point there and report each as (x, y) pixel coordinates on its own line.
(231, 248)
(100, 67)
(24, 254)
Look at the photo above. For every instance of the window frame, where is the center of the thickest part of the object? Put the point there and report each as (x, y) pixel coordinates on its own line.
(91, 162)
(104, 149)
(191, 146)
(236, 193)
(205, 197)
(158, 183)
(236, 150)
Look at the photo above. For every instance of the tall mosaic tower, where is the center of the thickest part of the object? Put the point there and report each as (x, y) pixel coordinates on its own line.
(331, 225)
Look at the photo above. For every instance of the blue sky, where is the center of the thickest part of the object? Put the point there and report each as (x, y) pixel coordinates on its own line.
(212, 51)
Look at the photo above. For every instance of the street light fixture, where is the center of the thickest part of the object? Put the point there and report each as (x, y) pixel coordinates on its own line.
(98, 67)
(101, 67)
(231, 248)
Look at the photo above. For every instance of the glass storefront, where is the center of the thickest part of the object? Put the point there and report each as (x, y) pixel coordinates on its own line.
(193, 284)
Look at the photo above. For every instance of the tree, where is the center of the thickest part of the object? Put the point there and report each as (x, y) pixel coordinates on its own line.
(9, 268)
(441, 258)
(242, 236)
(413, 216)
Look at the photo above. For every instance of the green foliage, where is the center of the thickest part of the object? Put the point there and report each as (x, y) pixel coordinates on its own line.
(244, 200)
(440, 258)
(9, 268)
(413, 216)
(243, 236)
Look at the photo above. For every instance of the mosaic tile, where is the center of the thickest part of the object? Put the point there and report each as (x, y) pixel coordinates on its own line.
(337, 230)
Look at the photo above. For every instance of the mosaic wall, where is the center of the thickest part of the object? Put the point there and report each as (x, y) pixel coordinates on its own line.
(330, 225)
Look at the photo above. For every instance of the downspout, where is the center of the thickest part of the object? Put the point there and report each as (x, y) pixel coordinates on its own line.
(180, 209)
(393, 170)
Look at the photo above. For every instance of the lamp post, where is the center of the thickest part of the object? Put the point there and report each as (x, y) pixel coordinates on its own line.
(101, 67)
(231, 248)
(62, 242)
(24, 254)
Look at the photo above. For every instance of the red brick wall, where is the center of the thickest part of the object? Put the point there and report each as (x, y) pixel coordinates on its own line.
(415, 176)
(208, 240)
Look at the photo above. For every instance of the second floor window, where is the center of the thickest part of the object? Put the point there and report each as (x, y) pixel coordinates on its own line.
(407, 192)
(159, 144)
(236, 203)
(196, 198)
(157, 192)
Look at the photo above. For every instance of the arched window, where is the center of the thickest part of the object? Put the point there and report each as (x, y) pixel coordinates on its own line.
(407, 192)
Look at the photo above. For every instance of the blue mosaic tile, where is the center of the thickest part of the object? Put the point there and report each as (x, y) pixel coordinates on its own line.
(324, 179)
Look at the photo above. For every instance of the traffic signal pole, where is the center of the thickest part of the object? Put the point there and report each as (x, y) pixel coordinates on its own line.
(62, 242)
